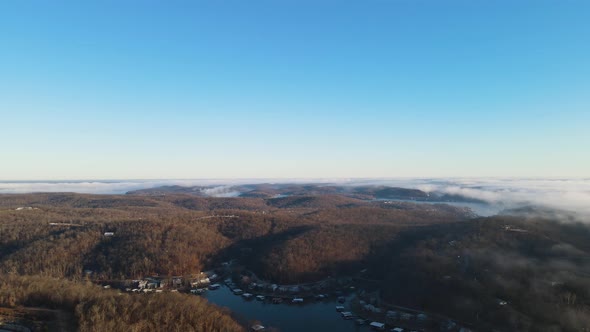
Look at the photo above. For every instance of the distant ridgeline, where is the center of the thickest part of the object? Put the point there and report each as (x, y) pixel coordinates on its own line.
(435, 257)
(282, 190)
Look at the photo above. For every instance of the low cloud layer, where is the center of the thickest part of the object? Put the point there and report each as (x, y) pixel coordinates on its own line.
(567, 194)
(220, 187)
(93, 187)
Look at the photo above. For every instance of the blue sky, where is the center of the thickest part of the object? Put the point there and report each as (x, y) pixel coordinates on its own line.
(294, 89)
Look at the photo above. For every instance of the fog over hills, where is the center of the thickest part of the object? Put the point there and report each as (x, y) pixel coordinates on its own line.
(503, 193)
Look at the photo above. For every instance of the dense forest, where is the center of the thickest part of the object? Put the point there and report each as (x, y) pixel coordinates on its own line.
(511, 273)
(179, 235)
(434, 257)
(96, 309)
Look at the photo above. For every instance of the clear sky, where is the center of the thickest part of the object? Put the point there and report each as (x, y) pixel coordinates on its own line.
(291, 88)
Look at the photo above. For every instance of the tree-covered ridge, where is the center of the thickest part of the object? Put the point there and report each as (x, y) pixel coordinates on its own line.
(97, 309)
(527, 271)
(64, 234)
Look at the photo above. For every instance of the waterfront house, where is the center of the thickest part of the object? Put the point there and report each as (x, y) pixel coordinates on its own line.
(377, 326)
(153, 284)
(347, 315)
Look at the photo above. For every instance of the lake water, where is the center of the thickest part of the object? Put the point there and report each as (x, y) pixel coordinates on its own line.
(314, 316)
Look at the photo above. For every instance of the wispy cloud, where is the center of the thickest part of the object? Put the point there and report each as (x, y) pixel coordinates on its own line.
(568, 194)
(90, 187)
(221, 191)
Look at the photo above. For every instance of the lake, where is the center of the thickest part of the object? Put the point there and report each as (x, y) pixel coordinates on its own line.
(314, 316)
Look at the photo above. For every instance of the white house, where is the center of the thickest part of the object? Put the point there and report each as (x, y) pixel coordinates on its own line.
(377, 326)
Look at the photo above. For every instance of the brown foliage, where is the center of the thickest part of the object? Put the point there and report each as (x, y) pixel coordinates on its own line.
(97, 309)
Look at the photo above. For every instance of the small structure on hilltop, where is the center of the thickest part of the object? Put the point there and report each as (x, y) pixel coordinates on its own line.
(26, 208)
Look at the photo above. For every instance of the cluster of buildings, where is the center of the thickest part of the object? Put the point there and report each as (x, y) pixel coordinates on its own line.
(399, 320)
(146, 285)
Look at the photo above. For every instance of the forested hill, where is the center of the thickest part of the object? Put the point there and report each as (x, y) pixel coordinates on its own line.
(435, 257)
(177, 234)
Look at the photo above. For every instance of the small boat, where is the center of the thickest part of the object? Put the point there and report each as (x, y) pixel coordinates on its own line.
(214, 286)
(238, 291)
(247, 296)
(260, 297)
(297, 300)
(339, 308)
